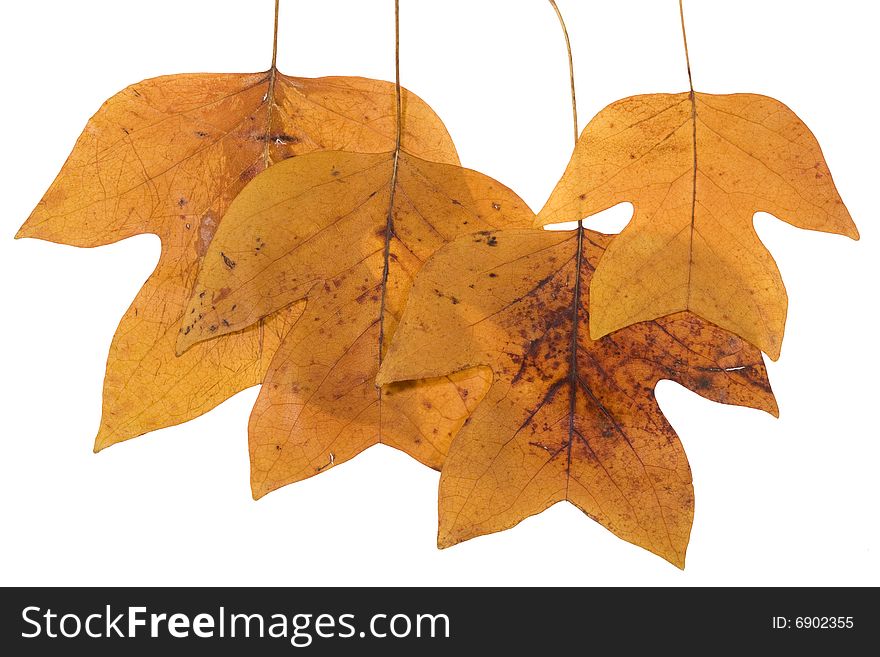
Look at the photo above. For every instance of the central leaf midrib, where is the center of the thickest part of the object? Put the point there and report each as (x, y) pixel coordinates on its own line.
(270, 114)
(389, 234)
(572, 364)
(693, 99)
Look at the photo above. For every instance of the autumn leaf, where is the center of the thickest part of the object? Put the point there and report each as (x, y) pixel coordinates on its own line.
(567, 417)
(696, 169)
(166, 156)
(347, 232)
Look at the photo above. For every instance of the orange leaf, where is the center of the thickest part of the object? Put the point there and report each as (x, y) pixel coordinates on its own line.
(166, 156)
(347, 232)
(566, 417)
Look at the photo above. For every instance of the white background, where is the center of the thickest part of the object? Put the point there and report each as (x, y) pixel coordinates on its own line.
(788, 501)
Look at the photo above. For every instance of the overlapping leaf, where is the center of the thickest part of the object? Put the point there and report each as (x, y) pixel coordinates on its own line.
(167, 156)
(347, 232)
(566, 417)
(696, 170)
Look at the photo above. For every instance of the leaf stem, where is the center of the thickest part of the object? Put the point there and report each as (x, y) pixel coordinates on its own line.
(275, 37)
(574, 110)
(397, 94)
(687, 57)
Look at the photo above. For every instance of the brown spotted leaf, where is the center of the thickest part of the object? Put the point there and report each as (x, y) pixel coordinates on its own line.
(566, 417)
(696, 169)
(347, 232)
(166, 156)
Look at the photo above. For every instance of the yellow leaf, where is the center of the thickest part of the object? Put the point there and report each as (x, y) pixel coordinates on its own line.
(696, 171)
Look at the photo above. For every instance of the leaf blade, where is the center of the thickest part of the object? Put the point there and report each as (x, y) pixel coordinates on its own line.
(690, 244)
(167, 156)
(562, 421)
(324, 221)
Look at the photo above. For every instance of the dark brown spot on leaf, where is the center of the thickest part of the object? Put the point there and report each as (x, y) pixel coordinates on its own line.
(229, 262)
